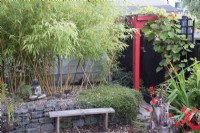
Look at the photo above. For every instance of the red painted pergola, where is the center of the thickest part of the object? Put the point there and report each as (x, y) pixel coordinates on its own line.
(138, 22)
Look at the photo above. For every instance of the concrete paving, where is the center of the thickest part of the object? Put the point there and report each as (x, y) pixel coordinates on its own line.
(143, 114)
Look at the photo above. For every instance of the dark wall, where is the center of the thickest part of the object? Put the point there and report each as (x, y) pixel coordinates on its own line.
(148, 63)
(126, 58)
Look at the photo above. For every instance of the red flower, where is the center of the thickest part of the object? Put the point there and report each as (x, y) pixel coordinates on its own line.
(187, 115)
(151, 88)
(175, 70)
(147, 109)
(198, 122)
(153, 101)
(183, 109)
(151, 93)
(176, 124)
(170, 115)
(182, 122)
(194, 127)
(185, 131)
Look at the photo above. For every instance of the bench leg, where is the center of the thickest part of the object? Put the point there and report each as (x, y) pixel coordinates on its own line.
(58, 125)
(105, 121)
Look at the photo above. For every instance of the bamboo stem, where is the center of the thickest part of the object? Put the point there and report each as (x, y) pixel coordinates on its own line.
(67, 76)
(86, 76)
(75, 73)
(45, 74)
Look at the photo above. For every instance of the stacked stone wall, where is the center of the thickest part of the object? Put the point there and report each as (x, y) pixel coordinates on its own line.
(33, 117)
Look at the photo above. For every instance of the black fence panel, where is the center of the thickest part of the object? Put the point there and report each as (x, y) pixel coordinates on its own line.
(149, 61)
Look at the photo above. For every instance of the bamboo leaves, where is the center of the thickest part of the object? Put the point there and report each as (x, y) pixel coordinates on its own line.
(36, 32)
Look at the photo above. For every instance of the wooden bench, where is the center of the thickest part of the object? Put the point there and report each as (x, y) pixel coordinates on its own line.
(81, 112)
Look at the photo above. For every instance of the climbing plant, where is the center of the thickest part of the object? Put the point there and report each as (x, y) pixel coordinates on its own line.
(164, 33)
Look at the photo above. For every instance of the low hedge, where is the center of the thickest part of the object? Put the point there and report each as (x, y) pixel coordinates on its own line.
(124, 100)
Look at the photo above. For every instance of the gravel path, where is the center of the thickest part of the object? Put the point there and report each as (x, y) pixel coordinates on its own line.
(112, 129)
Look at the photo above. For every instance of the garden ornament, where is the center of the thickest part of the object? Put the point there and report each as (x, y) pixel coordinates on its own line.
(36, 90)
(160, 122)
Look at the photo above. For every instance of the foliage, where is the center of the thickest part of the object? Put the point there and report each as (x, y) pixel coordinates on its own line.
(24, 91)
(149, 10)
(164, 33)
(62, 28)
(122, 77)
(124, 100)
(180, 91)
(3, 88)
(34, 33)
(193, 82)
(183, 95)
(190, 120)
(193, 6)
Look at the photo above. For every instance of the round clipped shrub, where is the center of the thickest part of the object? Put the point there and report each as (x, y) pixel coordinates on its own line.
(124, 100)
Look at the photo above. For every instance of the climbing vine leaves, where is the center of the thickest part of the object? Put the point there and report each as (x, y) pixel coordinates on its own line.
(173, 47)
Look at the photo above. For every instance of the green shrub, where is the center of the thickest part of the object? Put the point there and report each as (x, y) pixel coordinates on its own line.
(121, 77)
(124, 100)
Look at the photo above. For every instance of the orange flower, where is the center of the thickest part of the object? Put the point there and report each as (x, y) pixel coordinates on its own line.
(175, 70)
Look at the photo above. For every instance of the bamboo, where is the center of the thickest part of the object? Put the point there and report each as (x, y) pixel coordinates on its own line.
(21, 72)
(9, 76)
(58, 74)
(54, 81)
(90, 71)
(14, 73)
(39, 76)
(67, 76)
(49, 73)
(75, 73)
(45, 74)
(61, 72)
(86, 76)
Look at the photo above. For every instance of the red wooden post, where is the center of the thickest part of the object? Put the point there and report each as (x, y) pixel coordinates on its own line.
(137, 22)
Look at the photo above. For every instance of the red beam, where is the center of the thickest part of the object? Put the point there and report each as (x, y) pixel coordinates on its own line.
(138, 22)
(146, 17)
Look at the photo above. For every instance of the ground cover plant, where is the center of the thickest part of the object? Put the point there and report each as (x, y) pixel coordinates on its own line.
(124, 100)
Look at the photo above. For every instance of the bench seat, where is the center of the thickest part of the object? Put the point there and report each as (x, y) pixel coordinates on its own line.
(81, 112)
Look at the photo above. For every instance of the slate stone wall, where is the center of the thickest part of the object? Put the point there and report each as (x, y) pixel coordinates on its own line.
(33, 118)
